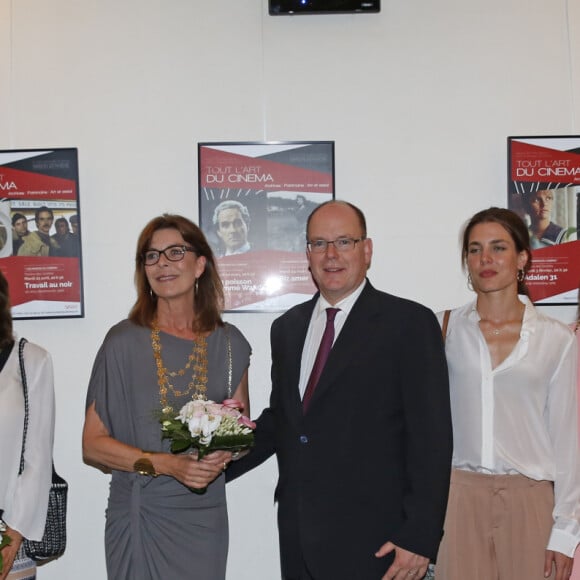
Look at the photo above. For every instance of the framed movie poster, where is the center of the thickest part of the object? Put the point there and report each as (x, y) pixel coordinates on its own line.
(544, 189)
(40, 240)
(254, 198)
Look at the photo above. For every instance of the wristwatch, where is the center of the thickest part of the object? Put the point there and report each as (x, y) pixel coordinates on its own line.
(143, 466)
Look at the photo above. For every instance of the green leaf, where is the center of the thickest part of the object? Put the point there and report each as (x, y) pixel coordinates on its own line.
(179, 445)
(6, 541)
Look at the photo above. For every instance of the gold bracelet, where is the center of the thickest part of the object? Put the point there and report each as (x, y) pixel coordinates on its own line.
(143, 466)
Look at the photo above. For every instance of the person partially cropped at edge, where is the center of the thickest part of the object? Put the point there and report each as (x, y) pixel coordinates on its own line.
(576, 329)
(24, 496)
(514, 503)
(364, 469)
(174, 347)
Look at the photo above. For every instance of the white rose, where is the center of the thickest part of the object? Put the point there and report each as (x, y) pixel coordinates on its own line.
(209, 423)
(194, 426)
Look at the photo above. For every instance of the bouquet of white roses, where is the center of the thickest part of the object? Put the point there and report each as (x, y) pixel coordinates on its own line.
(4, 541)
(207, 426)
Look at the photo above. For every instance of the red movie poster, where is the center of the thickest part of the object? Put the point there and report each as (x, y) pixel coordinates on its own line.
(40, 243)
(254, 199)
(544, 189)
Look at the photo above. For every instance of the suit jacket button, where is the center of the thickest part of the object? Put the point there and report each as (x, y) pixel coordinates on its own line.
(303, 439)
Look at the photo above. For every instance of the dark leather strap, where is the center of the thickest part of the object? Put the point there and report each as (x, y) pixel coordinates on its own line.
(25, 392)
(445, 324)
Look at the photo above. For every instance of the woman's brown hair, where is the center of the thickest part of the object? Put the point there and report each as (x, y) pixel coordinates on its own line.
(209, 295)
(6, 332)
(516, 228)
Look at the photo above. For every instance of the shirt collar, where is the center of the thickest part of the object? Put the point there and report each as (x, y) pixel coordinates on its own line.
(241, 250)
(528, 323)
(345, 304)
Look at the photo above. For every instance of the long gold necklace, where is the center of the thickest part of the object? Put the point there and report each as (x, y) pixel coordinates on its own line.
(197, 361)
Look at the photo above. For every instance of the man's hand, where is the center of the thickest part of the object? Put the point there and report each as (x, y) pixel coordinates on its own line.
(406, 565)
(563, 565)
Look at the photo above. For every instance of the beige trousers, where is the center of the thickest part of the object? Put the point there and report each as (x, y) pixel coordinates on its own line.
(496, 528)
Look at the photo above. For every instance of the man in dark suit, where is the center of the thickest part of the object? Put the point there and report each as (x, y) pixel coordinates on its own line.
(364, 467)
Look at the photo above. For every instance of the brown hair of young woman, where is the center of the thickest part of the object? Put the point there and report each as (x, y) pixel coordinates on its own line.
(209, 297)
(6, 332)
(513, 224)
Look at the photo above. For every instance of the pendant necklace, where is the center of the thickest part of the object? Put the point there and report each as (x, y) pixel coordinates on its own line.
(497, 330)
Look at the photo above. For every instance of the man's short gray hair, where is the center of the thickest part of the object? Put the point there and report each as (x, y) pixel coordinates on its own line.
(231, 204)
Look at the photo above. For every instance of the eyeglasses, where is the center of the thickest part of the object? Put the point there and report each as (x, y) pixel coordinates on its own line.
(172, 253)
(341, 244)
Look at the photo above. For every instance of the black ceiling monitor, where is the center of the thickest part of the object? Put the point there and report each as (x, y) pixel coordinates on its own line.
(279, 7)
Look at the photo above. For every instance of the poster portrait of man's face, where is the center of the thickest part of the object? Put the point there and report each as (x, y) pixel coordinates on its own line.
(232, 223)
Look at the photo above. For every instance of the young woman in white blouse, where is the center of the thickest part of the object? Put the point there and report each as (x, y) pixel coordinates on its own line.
(514, 503)
(24, 497)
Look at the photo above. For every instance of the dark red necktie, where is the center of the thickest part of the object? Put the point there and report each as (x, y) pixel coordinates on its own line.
(321, 356)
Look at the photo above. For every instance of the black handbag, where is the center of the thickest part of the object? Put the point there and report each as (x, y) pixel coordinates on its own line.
(53, 541)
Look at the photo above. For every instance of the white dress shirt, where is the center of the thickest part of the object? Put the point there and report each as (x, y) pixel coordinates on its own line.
(520, 417)
(24, 498)
(316, 330)
(241, 250)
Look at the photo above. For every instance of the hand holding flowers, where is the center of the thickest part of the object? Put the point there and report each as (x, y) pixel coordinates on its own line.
(195, 474)
(206, 427)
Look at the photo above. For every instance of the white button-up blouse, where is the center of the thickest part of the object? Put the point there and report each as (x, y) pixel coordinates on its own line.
(520, 417)
(24, 498)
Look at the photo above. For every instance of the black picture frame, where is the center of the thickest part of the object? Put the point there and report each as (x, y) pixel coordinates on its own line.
(267, 188)
(43, 265)
(544, 190)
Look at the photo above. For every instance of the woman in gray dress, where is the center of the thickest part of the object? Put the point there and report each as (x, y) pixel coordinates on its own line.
(174, 347)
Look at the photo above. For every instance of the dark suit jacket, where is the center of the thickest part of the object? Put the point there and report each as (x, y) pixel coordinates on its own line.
(370, 461)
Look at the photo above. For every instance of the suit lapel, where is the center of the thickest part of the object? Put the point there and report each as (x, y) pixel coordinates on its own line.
(296, 338)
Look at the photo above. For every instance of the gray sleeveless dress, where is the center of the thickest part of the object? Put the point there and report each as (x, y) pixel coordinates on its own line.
(156, 528)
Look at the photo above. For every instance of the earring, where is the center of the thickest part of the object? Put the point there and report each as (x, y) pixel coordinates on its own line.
(196, 286)
(151, 294)
(521, 275)
(469, 282)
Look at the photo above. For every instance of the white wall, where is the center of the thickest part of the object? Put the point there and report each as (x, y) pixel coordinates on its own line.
(419, 99)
